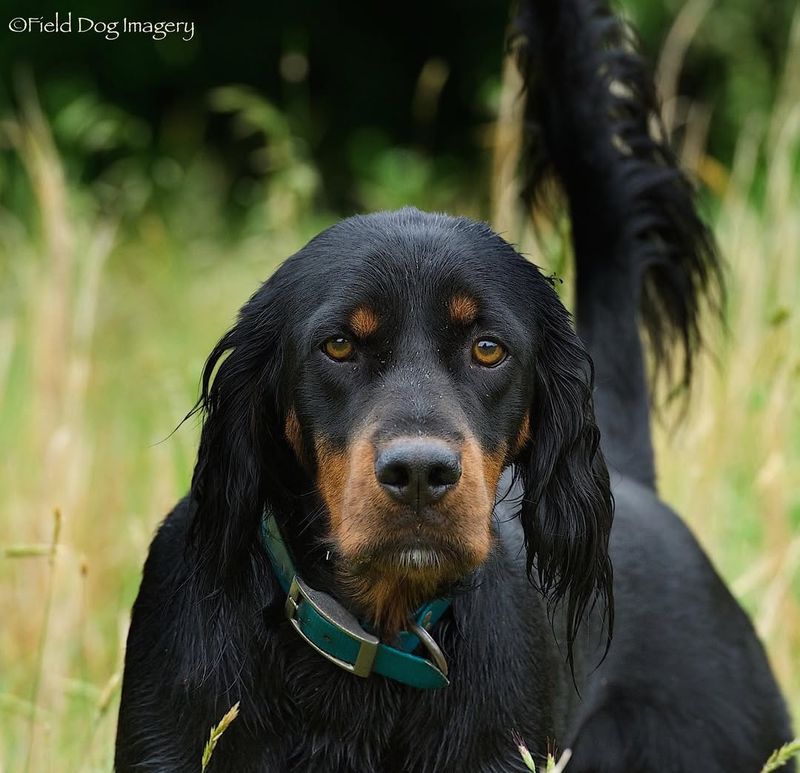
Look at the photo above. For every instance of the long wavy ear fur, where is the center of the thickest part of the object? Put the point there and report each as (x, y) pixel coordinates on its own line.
(567, 507)
(240, 459)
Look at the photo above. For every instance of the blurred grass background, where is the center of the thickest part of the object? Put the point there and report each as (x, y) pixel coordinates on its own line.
(132, 227)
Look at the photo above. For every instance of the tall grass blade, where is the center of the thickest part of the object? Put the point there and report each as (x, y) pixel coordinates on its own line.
(781, 756)
(216, 733)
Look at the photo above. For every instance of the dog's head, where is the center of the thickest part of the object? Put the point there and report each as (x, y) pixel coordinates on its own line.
(378, 384)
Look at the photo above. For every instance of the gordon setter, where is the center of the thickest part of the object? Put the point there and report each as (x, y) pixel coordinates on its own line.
(397, 550)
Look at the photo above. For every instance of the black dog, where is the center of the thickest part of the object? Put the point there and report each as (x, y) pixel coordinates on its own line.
(380, 391)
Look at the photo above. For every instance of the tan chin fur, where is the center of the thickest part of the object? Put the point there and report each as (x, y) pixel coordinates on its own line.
(389, 600)
(363, 517)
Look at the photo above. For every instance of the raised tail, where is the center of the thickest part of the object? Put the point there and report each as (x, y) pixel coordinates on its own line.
(642, 252)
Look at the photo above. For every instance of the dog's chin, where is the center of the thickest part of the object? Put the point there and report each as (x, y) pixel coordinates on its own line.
(419, 553)
(388, 582)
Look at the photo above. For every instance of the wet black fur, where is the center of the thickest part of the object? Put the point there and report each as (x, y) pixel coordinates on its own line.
(685, 684)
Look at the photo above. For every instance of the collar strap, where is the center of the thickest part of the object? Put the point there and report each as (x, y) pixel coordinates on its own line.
(336, 634)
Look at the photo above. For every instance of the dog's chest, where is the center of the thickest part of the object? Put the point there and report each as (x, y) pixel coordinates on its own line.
(339, 722)
(380, 730)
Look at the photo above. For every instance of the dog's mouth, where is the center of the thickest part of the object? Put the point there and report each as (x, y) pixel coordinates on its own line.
(414, 554)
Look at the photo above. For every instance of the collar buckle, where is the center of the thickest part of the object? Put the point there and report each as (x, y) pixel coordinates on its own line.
(328, 608)
(437, 656)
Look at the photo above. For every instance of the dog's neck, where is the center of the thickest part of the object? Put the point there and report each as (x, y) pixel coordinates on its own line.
(306, 537)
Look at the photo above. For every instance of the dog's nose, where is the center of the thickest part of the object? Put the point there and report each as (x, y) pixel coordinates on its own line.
(417, 471)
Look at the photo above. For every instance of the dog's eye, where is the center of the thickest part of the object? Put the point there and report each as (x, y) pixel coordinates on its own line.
(487, 352)
(338, 348)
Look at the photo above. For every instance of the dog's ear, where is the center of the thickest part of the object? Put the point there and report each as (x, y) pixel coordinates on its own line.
(567, 507)
(242, 456)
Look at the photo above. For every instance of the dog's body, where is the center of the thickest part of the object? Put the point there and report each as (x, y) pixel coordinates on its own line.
(374, 391)
(685, 685)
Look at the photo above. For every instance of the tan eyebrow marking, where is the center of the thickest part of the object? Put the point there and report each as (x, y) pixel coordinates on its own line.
(463, 309)
(364, 321)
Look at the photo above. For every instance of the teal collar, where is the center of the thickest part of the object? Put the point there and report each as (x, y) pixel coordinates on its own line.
(337, 635)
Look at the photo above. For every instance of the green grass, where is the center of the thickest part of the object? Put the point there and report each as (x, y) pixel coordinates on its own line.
(104, 326)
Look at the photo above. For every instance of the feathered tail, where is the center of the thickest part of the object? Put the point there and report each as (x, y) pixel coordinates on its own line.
(641, 250)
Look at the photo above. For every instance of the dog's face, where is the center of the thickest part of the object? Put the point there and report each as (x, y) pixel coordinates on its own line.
(410, 399)
(406, 359)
